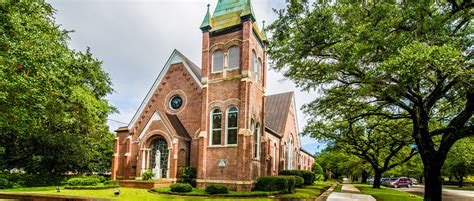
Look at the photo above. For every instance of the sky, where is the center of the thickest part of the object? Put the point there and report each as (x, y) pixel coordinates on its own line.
(134, 39)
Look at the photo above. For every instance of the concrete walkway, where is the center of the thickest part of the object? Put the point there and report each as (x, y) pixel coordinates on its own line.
(349, 192)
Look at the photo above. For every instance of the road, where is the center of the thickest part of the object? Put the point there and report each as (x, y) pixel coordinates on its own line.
(448, 194)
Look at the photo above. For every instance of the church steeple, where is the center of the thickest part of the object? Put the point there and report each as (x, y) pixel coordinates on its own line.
(206, 23)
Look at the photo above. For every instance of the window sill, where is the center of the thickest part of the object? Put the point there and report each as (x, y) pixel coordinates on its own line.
(222, 146)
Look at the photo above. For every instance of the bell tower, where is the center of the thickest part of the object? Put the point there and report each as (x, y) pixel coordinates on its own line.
(230, 143)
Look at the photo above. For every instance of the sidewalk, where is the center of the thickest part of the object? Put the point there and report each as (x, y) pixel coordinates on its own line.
(349, 192)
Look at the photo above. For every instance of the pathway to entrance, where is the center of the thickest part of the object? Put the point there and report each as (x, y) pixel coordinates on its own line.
(349, 192)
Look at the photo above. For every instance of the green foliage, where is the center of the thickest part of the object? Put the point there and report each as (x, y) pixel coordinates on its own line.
(460, 160)
(403, 61)
(308, 176)
(216, 189)
(387, 193)
(4, 183)
(111, 183)
(299, 181)
(188, 175)
(276, 183)
(181, 188)
(52, 102)
(88, 181)
(148, 175)
(30, 180)
(98, 187)
(317, 169)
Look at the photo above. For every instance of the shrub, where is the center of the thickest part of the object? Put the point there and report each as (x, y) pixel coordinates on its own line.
(216, 189)
(88, 181)
(319, 177)
(188, 175)
(299, 181)
(181, 188)
(317, 169)
(4, 183)
(111, 183)
(308, 176)
(275, 183)
(148, 175)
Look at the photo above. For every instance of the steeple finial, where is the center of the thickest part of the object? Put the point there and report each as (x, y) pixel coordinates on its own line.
(206, 23)
(264, 35)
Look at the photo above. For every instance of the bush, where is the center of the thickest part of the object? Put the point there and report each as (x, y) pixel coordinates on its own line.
(216, 189)
(317, 169)
(319, 177)
(308, 176)
(276, 183)
(187, 174)
(31, 180)
(88, 181)
(4, 183)
(111, 183)
(181, 188)
(299, 181)
(148, 175)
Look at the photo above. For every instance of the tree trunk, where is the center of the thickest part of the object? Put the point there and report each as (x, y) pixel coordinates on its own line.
(377, 177)
(461, 180)
(433, 188)
(364, 176)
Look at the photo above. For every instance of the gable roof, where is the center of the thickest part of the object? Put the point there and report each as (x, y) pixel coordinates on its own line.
(277, 107)
(176, 57)
(178, 126)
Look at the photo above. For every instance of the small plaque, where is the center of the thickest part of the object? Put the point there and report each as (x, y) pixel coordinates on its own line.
(222, 163)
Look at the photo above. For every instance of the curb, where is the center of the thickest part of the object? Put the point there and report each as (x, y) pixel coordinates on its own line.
(325, 195)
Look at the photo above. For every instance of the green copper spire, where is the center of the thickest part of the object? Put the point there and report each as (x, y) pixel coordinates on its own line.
(263, 34)
(248, 11)
(206, 23)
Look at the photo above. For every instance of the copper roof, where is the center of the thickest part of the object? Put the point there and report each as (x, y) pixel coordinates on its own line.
(277, 107)
(178, 126)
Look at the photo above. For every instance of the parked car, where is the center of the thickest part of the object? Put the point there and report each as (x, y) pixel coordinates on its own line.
(399, 182)
(413, 181)
(383, 180)
(370, 180)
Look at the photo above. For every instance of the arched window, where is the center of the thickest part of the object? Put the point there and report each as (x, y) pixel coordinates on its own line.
(216, 126)
(284, 156)
(274, 156)
(234, 57)
(253, 63)
(259, 69)
(232, 126)
(256, 140)
(217, 61)
(290, 154)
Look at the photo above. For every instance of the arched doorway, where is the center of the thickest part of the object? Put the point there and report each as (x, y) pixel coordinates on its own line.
(159, 159)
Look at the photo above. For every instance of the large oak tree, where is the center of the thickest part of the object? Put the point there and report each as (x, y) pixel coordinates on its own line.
(52, 98)
(394, 59)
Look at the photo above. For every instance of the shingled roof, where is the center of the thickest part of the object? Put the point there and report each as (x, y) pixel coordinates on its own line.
(277, 107)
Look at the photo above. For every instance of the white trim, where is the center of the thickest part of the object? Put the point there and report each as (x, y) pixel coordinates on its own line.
(155, 117)
(176, 57)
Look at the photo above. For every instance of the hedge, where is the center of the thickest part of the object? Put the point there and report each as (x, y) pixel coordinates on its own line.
(181, 188)
(111, 183)
(4, 183)
(89, 181)
(276, 183)
(91, 187)
(216, 189)
(308, 176)
(299, 181)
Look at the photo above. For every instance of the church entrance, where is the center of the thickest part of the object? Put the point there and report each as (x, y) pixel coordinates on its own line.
(159, 158)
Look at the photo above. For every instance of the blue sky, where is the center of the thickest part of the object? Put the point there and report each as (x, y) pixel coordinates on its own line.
(134, 38)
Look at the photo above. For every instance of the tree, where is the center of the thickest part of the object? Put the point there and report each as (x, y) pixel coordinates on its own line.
(394, 59)
(340, 163)
(383, 144)
(460, 160)
(52, 98)
(413, 169)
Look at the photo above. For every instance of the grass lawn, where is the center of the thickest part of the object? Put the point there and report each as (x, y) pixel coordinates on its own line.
(143, 194)
(387, 194)
(338, 188)
(310, 191)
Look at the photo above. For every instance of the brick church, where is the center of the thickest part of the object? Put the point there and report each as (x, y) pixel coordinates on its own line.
(216, 117)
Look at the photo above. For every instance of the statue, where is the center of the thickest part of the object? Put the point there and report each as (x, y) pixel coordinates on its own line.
(157, 168)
